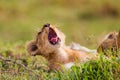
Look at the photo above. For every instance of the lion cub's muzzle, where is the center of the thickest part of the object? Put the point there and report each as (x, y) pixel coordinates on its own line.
(52, 35)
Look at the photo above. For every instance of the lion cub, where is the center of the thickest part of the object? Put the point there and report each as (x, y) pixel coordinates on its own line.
(50, 43)
(111, 43)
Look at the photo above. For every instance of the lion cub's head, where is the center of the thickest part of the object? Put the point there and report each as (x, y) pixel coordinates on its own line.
(47, 41)
(111, 43)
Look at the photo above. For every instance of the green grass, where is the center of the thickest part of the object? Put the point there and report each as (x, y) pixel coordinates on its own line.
(83, 21)
(101, 69)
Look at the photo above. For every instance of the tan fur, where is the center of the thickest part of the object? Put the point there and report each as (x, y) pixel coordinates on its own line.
(118, 39)
(110, 43)
(58, 54)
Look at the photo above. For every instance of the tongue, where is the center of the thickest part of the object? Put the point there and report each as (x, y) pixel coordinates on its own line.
(54, 39)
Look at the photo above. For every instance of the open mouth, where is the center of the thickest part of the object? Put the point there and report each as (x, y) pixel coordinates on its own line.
(52, 37)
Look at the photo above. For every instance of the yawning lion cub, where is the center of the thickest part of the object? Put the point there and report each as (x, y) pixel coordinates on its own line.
(50, 43)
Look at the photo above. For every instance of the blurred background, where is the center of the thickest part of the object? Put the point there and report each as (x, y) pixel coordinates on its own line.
(83, 21)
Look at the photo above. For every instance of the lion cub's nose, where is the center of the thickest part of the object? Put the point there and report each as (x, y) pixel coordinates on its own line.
(47, 25)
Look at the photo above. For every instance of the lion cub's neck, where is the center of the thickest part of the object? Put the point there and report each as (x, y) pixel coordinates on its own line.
(58, 56)
(63, 55)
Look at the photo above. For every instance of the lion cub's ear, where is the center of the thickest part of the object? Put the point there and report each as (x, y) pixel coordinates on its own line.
(32, 48)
